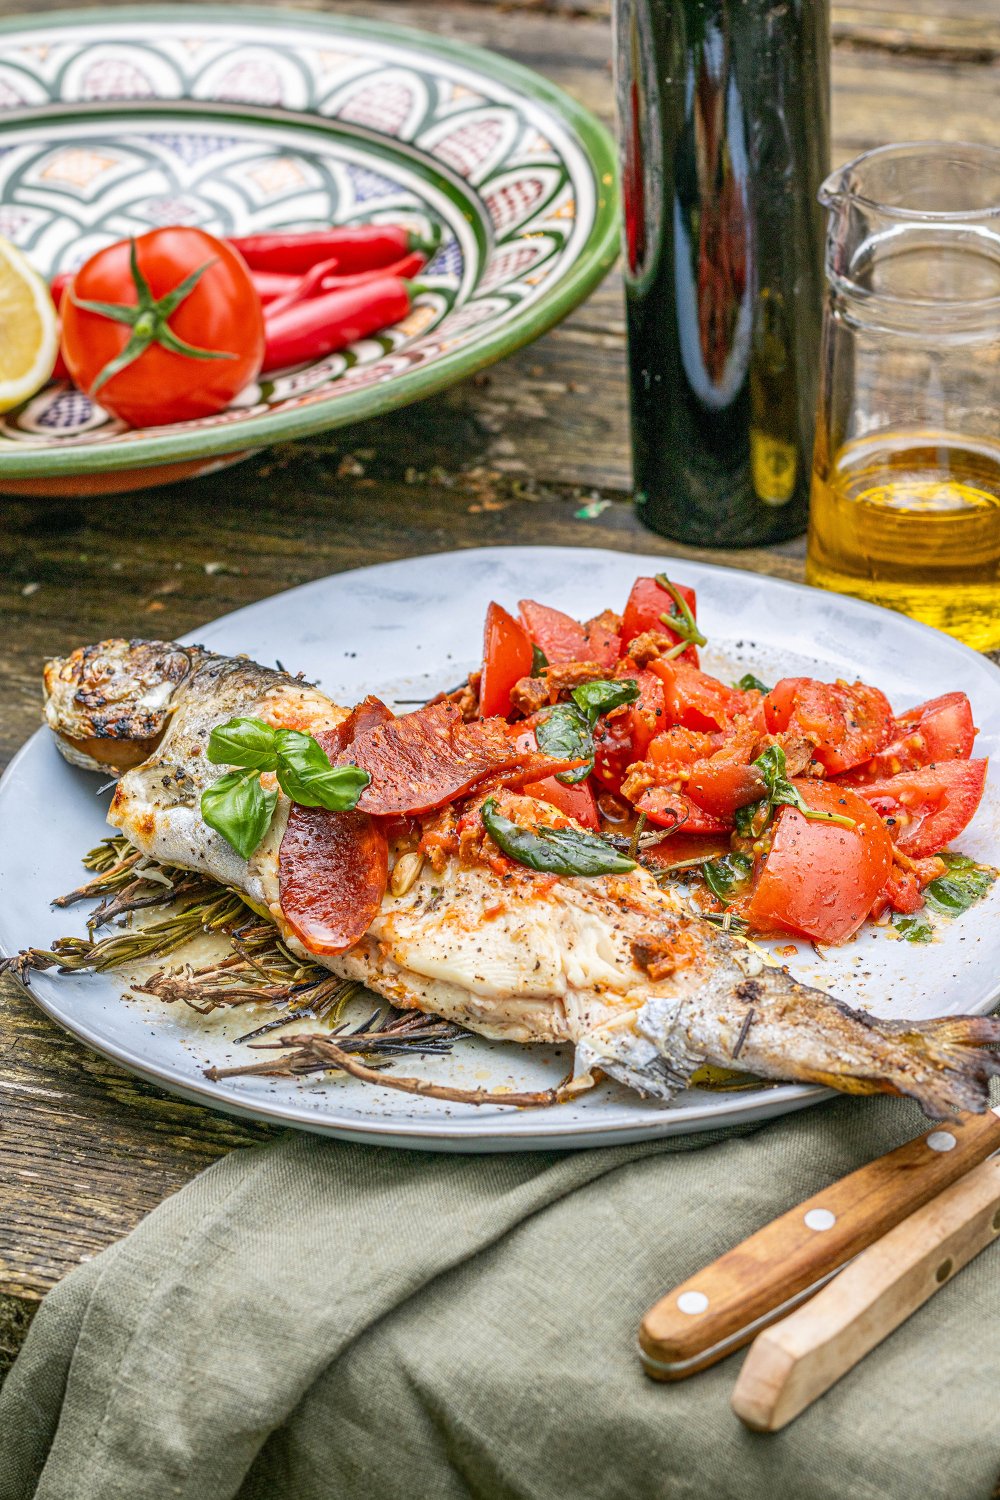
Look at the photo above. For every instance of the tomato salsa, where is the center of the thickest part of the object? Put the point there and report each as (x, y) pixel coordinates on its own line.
(800, 806)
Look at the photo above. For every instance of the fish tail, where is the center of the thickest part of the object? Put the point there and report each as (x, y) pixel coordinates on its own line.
(941, 1064)
(964, 1068)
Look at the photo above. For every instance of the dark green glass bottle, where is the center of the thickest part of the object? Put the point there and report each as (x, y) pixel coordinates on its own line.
(723, 112)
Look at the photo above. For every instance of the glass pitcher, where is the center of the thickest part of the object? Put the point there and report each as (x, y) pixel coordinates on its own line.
(905, 506)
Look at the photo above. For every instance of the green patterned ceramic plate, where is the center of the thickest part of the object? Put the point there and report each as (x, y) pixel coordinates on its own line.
(112, 122)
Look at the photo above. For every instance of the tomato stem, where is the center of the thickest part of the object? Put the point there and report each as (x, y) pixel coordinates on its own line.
(825, 817)
(680, 620)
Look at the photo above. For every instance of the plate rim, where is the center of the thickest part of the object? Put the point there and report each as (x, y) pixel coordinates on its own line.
(597, 254)
(514, 1132)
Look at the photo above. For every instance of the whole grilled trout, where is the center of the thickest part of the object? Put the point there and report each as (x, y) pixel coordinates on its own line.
(644, 990)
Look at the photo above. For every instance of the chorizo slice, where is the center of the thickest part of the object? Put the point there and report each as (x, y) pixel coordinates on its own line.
(333, 867)
(426, 759)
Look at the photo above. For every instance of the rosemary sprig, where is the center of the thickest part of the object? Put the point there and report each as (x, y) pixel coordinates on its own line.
(119, 950)
(258, 969)
(113, 863)
(114, 850)
(318, 1053)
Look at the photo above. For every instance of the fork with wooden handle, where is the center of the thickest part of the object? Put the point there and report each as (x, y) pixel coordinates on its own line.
(800, 1358)
(723, 1306)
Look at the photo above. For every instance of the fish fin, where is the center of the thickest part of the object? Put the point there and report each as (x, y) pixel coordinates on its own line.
(940, 1064)
(962, 1068)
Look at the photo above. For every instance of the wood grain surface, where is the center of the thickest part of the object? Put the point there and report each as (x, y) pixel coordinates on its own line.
(747, 1286)
(794, 1363)
(511, 455)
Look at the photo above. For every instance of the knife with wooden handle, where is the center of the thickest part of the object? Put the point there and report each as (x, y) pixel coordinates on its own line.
(724, 1306)
(800, 1358)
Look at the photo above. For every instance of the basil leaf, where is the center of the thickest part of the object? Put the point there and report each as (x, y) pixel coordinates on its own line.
(294, 741)
(750, 820)
(244, 742)
(773, 766)
(558, 851)
(565, 732)
(781, 793)
(307, 777)
(952, 894)
(238, 807)
(913, 930)
(958, 861)
(539, 661)
(748, 683)
(724, 875)
(596, 698)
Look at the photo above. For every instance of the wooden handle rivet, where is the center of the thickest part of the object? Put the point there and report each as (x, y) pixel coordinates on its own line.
(692, 1302)
(944, 1270)
(996, 1219)
(941, 1140)
(819, 1219)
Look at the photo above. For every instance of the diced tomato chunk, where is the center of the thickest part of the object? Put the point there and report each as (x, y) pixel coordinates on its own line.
(669, 809)
(681, 748)
(693, 698)
(604, 644)
(820, 879)
(846, 724)
(576, 801)
(902, 891)
(646, 603)
(507, 657)
(647, 716)
(941, 729)
(721, 786)
(925, 810)
(558, 635)
(614, 751)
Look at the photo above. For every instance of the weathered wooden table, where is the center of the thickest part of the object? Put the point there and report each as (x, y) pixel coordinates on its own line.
(510, 456)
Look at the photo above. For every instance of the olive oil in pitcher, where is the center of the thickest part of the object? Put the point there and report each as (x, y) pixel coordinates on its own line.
(906, 471)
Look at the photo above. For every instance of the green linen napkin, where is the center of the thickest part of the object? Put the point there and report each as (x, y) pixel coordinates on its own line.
(311, 1319)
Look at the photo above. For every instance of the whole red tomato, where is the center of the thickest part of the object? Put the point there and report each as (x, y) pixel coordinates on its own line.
(163, 328)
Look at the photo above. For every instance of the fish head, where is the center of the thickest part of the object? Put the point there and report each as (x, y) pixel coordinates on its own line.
(109, 704)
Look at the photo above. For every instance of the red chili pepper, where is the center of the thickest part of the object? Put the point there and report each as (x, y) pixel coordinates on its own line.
(323, 278)
(274, 284)
(269, 284)
(405, 268)
(321, 325)
(311, 284)
(361, 247)
(57, 290)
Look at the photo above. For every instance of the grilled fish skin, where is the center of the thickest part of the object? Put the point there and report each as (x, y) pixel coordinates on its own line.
(645, 991)
(108, 704)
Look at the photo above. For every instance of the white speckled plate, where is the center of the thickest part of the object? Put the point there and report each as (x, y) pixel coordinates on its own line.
(404, 629)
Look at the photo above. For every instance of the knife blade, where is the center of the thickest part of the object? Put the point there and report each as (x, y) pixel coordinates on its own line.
(723, 1306)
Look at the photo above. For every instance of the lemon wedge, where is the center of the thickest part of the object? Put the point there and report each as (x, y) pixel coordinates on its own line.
(29, 329)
